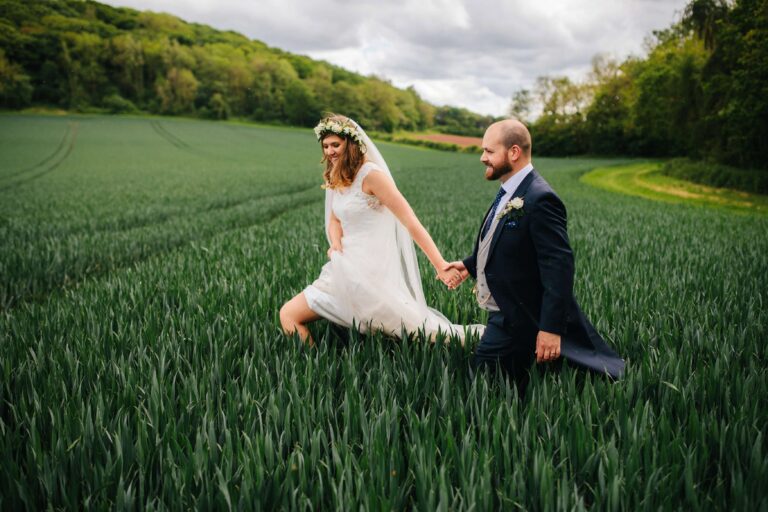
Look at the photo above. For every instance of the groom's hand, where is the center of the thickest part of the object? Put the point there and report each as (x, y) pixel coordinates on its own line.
(547, 347)
(463, 273)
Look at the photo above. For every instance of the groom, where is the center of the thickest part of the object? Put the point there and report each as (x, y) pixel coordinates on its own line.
(524, 269)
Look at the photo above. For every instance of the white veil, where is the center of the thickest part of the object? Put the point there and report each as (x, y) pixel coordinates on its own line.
(409, 265)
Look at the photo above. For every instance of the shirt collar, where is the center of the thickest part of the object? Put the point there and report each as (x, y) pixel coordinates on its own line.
(512, 183)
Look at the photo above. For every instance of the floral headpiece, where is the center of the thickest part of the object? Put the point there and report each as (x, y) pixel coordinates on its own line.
(341, 128)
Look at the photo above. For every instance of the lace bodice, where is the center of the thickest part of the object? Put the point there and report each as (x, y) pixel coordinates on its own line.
(358, 212)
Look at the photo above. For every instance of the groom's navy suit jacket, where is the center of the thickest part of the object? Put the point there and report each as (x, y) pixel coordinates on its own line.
(530, 271)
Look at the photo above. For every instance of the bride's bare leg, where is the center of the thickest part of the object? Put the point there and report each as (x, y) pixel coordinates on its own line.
(294, 314)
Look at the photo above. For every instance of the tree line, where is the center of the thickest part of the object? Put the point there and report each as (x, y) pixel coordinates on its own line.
(87, 56)
(701, 91)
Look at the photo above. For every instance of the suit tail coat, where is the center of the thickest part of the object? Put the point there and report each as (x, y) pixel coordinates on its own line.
(530, 271)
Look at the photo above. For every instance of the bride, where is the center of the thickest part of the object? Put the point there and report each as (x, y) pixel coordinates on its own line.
(372, 277)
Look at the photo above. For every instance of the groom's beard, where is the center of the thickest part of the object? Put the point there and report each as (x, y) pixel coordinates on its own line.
(498, 172)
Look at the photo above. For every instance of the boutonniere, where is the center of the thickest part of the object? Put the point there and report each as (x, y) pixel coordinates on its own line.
(513, 209)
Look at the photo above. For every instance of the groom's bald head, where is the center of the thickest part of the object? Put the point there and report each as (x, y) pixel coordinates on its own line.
(512, 132)
(506, 149)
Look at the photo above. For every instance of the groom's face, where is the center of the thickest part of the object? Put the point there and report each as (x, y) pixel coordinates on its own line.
(495, 156)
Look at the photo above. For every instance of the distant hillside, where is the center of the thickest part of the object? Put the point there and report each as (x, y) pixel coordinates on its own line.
(87, 56)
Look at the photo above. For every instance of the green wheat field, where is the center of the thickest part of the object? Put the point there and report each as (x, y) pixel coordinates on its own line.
(143, 262)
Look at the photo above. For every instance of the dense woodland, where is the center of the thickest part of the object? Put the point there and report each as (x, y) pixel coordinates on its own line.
(701, 90)
(87, 56)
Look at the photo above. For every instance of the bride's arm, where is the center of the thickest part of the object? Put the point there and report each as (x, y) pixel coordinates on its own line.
(335, 232)
(380, 185)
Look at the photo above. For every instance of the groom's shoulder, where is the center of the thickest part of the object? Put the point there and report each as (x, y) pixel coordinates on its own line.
(540, 192)
(539, 186)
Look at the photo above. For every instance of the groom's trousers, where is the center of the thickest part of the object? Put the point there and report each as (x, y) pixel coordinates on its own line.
(508, 346)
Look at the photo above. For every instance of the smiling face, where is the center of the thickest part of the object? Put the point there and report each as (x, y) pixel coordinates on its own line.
(333, 147)
(342, 158)
(506, 149)
(496, 157)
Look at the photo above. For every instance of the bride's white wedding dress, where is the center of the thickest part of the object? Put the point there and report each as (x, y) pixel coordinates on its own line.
(374, 283)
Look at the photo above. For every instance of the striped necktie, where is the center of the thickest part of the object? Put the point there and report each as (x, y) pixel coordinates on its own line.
(489, 220)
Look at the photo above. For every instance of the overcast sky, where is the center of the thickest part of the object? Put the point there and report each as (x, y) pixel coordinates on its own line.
(468, 53)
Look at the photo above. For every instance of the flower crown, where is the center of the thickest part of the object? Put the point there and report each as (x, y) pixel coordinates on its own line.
(342, 128)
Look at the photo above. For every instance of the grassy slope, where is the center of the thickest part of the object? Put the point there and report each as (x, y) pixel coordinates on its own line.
(148, 367)
(645, 180)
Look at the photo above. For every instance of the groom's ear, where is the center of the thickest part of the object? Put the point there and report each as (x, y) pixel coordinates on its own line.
(514, 152)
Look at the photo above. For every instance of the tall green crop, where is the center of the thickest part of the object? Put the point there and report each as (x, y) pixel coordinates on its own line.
(142, 364)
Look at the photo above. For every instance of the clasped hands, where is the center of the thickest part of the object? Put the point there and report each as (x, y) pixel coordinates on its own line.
(452, 274)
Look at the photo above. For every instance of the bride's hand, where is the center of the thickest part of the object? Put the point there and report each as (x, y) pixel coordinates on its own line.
(333, 248)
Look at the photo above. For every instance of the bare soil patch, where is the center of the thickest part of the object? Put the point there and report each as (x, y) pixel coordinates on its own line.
(459, 140)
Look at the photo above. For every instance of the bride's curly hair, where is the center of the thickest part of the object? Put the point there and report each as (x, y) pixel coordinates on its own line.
(352, 158)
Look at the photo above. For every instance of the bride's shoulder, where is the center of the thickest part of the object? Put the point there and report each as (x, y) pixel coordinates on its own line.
(366, 169)
(369, 166)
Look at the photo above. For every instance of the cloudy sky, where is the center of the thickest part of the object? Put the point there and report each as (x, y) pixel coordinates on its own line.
(469, 53)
